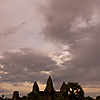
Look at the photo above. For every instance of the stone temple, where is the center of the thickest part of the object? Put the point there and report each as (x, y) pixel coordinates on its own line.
(49, 92)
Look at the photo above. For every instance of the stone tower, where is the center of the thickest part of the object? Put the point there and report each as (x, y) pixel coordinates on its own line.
(15, 95)
(62, 87)
(35, 87)
(49, 87)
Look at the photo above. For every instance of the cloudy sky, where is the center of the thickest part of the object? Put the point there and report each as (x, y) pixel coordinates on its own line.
(59, 38)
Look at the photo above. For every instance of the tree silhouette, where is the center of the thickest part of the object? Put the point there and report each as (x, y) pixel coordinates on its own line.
(34, 96)
(75, 91)
(71, 91)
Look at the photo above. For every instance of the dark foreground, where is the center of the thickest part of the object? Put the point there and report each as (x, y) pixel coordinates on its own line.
(69, 91)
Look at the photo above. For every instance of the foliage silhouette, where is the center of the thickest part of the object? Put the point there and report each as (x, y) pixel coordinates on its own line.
(72, 91)
(34, 96)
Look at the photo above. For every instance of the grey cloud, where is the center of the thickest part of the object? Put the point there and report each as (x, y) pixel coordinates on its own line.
(60, 16)
(15, 63)
(4, 90)
(83, 43)
(13, 30)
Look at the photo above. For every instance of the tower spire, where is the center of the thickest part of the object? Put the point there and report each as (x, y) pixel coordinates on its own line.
(49, 87)
(62, 87)
(35, 87)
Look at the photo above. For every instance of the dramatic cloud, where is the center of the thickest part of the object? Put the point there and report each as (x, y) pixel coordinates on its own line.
(75, 24)
(67, 47)
(61, 17)
(13, 30)
(25, 65)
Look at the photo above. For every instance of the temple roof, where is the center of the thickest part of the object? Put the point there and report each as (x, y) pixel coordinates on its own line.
(62, 87)
(35, 87)
(49, 87)
(49, 81)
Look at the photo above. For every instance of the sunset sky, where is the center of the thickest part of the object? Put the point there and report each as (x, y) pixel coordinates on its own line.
(57, 38)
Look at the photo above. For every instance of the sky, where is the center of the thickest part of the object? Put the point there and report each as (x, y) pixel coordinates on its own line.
(57, 38)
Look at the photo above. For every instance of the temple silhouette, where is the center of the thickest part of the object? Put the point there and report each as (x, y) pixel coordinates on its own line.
(69, 91)
(49, 92)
